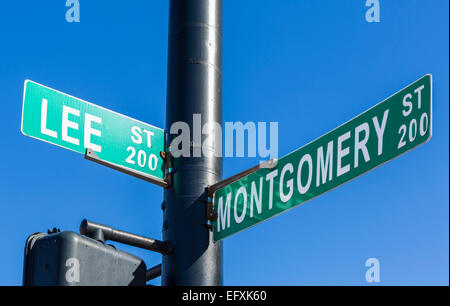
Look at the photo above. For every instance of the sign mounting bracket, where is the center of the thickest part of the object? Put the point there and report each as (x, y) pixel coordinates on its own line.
(90, 155)
(211, 214)
(269, 164)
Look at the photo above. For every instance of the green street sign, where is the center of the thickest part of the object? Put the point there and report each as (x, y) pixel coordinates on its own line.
(110, 138)
(389, 129)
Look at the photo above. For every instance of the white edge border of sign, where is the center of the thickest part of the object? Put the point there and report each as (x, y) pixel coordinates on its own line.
(21, 125)
(297, 205)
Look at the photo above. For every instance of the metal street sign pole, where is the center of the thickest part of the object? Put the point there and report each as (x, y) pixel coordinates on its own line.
(386, 131)
(194, 81)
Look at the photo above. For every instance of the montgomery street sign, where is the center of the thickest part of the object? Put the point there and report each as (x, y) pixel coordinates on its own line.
(382, 133)
(104, 136)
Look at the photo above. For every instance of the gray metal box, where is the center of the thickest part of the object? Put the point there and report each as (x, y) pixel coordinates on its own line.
(70, 259)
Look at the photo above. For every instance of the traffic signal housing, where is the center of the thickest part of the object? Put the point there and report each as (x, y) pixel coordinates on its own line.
(70, 259)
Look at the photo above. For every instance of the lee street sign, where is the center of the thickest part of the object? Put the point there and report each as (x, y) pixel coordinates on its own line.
(110, 138)
(382, 133)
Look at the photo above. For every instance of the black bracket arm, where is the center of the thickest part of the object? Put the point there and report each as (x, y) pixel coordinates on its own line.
(102, 232)
(153, 273)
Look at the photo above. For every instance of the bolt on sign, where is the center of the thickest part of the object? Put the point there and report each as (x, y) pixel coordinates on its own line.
(389, 129)
(77, 125)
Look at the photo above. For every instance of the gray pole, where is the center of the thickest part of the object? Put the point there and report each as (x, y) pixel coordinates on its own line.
(194, 86)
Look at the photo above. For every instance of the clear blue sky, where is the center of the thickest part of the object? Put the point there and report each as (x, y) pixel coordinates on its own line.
(310, 65)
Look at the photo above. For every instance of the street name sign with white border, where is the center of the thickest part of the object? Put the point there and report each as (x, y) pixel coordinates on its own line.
(389, 129)
(110, 138)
